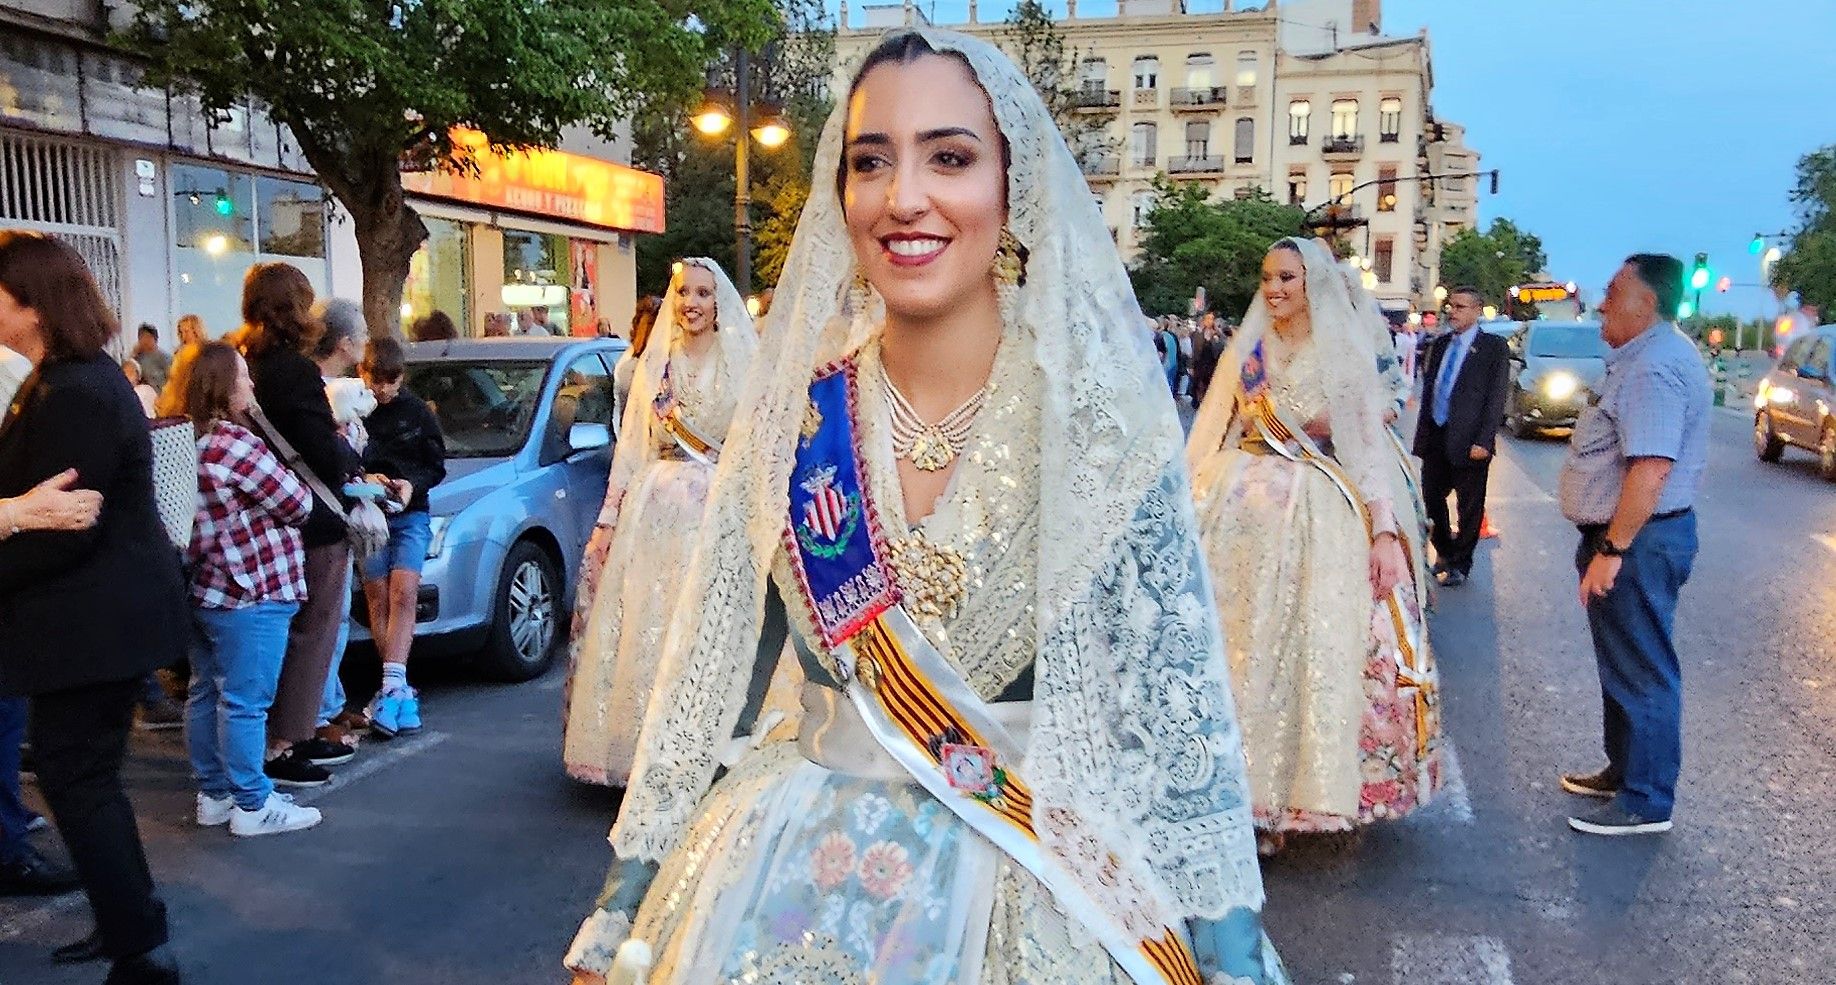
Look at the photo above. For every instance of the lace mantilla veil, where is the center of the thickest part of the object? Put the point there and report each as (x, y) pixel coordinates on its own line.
(735, 342)
(1344, 338)
(1134, 734)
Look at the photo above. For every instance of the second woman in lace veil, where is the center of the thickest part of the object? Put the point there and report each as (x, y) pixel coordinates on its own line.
(1319, 587)
(676, 418)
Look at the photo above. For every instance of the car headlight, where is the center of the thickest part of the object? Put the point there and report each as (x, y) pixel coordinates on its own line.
(1560, 386)
(437, 542)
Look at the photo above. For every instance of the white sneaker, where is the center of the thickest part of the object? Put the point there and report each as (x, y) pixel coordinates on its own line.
(279, 815)
(213, 811)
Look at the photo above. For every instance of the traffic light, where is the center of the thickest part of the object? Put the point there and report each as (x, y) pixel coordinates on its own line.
(1758, 245)
(1722, 285)
(1685, 309)
(1700, 275)
(224, 205)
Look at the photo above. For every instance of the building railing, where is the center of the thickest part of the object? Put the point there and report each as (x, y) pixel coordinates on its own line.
(1342, 146)
(1208, 97)
(1148, 98)
(1107, 166)
(1190, 164)
(1099, 98)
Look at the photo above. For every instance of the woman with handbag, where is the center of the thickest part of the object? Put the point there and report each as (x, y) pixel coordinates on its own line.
(247, 583)
(295, 419)
(82, 672)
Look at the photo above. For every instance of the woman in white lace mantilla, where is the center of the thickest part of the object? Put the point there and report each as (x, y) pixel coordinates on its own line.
(1017, 760)
(676, 417)
(1319, 587)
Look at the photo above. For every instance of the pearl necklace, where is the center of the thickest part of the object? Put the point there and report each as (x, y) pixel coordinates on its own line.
(929, 447)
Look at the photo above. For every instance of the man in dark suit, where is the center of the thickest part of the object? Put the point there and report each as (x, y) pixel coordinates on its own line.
(1463, 395)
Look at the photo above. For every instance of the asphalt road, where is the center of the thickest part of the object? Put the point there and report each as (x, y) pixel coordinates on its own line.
(463, 856)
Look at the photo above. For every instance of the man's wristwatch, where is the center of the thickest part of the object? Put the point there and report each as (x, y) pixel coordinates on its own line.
(1605, 547)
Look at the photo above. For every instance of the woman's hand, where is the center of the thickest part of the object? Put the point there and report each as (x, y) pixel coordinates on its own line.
(54, 504)
(592, 564)
(1388, 566)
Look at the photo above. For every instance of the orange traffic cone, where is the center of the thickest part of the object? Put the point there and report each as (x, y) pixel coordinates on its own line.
(1486, 530)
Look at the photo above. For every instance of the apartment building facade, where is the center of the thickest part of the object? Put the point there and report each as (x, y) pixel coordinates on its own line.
(1302, 99)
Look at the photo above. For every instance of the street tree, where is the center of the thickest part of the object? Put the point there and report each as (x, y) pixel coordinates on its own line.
(791, 71)
(1031, 36)
(1809, 266)
(1493, 261)
(1189, 240)
(367, 88)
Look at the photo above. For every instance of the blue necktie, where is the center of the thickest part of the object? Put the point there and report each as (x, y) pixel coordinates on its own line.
(1443, 385)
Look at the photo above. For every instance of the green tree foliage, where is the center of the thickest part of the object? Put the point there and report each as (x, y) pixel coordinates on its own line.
(792, 70)
(1190, 240)
(1809, 267)
(1493, 261)
(1033, 39)
(366, 86)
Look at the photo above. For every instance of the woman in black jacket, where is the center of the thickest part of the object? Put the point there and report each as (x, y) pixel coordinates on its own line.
(85, 614)
(278, 331)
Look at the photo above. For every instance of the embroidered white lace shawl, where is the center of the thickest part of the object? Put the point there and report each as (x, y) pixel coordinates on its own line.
(1346, 369)
(735, 343)
(1134, 733)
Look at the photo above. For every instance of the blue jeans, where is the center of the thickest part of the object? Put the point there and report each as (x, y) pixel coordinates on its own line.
(332, 705)
(410, 534)
(14, 814)
(235, 666)
(1641, 681)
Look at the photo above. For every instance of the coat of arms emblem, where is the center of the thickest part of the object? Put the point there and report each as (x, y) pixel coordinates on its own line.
(831, 516)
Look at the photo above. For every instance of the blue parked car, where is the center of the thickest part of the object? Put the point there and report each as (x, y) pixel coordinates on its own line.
(529, 432)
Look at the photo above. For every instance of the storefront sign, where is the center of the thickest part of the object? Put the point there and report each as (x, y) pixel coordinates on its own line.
(549, 183)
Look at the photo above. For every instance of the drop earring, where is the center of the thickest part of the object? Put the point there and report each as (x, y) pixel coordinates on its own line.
(1010, 259)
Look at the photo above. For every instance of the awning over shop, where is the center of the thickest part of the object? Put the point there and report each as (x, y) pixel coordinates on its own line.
(550, 183)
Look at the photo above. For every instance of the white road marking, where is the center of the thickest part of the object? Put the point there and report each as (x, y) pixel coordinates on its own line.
(1449, 960)
(377, 755)
(15, 926)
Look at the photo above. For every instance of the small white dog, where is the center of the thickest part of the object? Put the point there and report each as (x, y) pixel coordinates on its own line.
(351, 402)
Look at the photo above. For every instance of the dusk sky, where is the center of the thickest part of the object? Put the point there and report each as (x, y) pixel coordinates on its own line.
(1637, 124)
(1622, 125)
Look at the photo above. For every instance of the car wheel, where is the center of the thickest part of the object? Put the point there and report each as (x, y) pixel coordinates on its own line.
(1826, 452)
(1766, 442)
(526, 618)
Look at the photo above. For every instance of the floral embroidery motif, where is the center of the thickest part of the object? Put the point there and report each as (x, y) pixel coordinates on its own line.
(832, 861)
(884, 869)
(972, 770)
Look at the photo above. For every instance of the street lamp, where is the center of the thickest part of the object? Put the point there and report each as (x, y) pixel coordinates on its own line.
(713, 119)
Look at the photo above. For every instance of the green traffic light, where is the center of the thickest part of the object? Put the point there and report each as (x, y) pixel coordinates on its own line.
(1757, 246)
(224, 205)
(1685, 309)
(1700, 278)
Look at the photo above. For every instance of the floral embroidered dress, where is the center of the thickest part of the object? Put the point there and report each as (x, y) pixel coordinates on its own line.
(823, 861)
(1335, 691)
(617, 653)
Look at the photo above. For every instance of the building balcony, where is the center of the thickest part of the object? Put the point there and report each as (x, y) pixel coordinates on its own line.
(1342, 148)
(1098, 100)
(1188, 100)
(1189, 166)
(1297, 140)
(1145, 99)
(1105, 168)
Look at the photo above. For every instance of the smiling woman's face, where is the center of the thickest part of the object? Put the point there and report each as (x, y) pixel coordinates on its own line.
(1284, 284)
(695, 300)
(924, 188)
